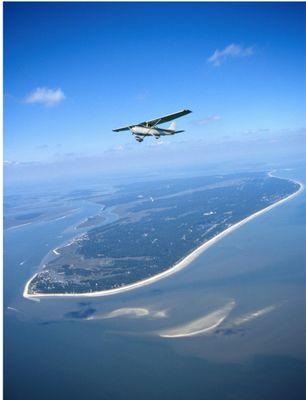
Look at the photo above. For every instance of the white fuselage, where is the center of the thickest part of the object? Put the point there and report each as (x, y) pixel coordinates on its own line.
(144, 131)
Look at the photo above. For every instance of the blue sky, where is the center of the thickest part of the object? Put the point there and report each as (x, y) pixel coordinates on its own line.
(72, 72)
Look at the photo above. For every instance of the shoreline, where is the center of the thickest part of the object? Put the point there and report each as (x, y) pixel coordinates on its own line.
(176, 267)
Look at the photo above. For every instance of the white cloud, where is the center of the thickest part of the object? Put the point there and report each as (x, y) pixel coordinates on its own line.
(256, 131)
(45, 96)
(205, 121)
(158, 142)
(8, 162)
(142, 96)
(230, 51)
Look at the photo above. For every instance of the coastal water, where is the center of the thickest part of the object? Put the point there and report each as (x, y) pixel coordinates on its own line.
(246, 294)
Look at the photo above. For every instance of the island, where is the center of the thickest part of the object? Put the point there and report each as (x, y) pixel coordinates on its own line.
(161, 227)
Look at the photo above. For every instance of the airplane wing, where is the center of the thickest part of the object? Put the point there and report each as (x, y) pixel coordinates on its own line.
(155, 121)
(166, 118)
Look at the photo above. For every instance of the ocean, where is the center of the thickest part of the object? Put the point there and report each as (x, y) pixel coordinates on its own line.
(246, 294)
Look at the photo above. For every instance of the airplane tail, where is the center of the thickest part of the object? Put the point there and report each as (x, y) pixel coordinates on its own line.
(172, 126)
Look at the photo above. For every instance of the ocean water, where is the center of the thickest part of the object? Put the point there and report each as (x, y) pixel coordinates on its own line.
(245, 294)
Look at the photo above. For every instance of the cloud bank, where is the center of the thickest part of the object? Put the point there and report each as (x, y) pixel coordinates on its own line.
(207, 155)
(207, 120)
(45, 96)
(230, 51)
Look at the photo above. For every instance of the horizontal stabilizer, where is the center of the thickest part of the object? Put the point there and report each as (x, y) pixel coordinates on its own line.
(125, 128)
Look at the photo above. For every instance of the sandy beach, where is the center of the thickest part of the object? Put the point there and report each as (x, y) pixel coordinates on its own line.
(199, 326)
(175, 268)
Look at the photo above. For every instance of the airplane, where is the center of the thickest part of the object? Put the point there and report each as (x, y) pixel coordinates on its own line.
(149, 128)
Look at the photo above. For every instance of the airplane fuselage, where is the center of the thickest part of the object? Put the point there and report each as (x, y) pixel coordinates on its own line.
(144, 131)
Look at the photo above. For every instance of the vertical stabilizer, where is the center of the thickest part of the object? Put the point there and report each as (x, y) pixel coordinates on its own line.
(172, 126)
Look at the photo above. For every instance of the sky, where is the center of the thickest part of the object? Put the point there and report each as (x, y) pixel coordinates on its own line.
(75, 71)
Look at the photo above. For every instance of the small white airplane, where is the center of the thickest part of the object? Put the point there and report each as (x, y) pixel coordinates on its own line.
(149, 128)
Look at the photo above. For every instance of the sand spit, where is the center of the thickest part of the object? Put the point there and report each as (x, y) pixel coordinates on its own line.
(131, 312)
(252, 315)
(127, 312)
(199, 326)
